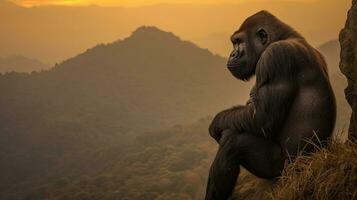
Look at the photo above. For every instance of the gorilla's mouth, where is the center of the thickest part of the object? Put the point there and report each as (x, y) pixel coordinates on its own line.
(242, 73)
(234, 66)
(235, 70)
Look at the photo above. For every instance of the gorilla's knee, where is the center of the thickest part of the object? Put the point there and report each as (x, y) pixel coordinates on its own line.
(226, 136)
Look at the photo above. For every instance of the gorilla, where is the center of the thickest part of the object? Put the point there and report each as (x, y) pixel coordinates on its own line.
(291, 105)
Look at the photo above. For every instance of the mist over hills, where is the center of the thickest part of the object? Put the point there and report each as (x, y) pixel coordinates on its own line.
(20, 64)
(152, 73)
(150, 80)
(101, 125)
(62, 120)
(331, 52)
(55, 32)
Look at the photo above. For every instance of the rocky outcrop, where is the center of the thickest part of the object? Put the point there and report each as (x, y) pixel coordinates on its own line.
(348, 64)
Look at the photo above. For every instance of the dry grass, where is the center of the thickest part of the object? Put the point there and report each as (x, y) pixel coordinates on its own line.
(330, 173)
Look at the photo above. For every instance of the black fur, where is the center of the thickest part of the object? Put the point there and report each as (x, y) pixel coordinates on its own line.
(291, 102)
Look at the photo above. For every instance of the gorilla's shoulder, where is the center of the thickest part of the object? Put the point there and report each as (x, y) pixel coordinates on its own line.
(285, 50)
(282, 56)
(286, 47)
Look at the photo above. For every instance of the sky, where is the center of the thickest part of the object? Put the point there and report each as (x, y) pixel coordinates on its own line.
(53, 34)
(29, 3)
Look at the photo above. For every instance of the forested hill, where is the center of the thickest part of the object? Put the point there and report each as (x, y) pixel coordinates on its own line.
(20, 64)
(65, 132)
(57, 123)
(150, 80)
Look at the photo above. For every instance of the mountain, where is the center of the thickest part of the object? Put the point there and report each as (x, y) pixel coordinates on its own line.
(63, 120)
(331, 51)
(151, 79)
(54, 33)
(339, 83)
(5, 4)
(20, 64)
(103, 124)
(171, 164)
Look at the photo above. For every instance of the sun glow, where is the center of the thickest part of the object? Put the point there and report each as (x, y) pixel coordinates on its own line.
(31, 3)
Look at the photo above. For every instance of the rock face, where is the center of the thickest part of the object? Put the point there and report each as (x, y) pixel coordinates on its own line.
(348, 64)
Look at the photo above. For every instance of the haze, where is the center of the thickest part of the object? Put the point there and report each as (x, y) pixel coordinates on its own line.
(124, 108)
(54, 33)
(30, 3)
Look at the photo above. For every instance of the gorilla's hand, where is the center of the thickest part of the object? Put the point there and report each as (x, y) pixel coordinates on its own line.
(223, 121)
(216, 128)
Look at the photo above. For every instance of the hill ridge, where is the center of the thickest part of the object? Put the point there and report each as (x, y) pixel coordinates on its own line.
(146, 40)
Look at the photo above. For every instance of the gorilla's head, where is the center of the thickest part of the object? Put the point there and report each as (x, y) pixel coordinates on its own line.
(251, 39)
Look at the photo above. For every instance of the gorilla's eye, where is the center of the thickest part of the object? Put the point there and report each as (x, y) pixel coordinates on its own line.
(262, 35)
(236, 41)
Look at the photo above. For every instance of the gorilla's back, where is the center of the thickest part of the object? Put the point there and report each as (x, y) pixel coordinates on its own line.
(313, 113)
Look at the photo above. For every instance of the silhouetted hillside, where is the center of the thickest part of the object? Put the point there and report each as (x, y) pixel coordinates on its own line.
(151, 79)
(39, 32)
(331, 52)
(88, 128)
(339, 84)
(147, 81)
(166, 165)
(58, 123)
(20, 64)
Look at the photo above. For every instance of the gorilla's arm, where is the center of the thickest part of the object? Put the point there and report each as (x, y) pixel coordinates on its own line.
(270, 100)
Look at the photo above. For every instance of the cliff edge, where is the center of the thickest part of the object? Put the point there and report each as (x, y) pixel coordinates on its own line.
(348, 64)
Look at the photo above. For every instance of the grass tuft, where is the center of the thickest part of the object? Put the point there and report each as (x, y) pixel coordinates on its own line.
(330, 173)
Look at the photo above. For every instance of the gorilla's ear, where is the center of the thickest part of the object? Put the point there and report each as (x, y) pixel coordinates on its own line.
(262, 35)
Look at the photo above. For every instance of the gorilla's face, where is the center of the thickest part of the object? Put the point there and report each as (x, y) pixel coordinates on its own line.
(247, 48)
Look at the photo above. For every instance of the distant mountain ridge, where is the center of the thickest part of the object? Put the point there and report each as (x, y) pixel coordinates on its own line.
(152, 64)
(80, 119)
(331, 51)
(151, 68)
(20, 64)
(106, 96)
(57, 38)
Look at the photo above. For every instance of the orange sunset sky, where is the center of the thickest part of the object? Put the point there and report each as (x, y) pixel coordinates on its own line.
(129, 2)
(54, 30)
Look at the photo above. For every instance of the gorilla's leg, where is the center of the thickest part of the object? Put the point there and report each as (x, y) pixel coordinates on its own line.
(261, 157)
(224, 169)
